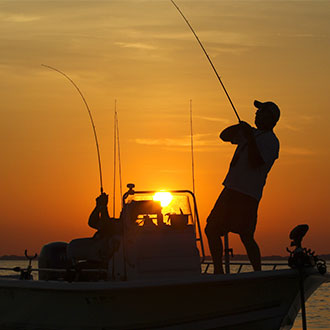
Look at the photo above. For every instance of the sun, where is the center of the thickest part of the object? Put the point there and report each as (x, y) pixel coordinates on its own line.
(164, 197)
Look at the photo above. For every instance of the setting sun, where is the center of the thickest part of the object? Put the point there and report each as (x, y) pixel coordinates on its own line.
(164, 197)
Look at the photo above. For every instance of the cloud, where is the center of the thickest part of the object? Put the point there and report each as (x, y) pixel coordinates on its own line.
(289, 127)
(228, 41)
(136, 45)
(180, 116)
(309, 118)
(297, 151)
(210, 143)
(213, 119)
(20, 18)
(298, 123)
(296, 35)
(200, 140)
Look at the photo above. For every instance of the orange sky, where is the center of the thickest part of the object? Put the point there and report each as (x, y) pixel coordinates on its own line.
(142, 54)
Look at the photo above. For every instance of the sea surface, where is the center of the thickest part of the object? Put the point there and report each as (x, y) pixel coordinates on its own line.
(317, 306)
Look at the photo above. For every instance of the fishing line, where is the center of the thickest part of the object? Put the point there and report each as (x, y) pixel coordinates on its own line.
(207, 56)
(90, 116)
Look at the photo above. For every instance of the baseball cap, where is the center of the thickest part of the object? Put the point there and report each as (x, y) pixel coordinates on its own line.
(270, 106)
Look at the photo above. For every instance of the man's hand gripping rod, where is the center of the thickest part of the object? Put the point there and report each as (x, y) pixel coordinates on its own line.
(215, 71)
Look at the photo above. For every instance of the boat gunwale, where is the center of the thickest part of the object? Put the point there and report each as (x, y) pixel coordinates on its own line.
(226, 279)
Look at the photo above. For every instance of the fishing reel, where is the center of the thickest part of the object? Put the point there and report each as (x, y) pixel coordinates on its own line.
(301, 257)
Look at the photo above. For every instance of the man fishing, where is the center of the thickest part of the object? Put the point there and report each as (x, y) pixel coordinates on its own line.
(236, 208)
(99, 218)
(104, 242)
(108, 229)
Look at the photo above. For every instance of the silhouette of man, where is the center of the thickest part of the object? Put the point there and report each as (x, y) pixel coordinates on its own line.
(104, 242)
(236, 208)
(99, 218)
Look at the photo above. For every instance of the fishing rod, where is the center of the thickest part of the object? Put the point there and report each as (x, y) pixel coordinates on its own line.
(90, 116)
(207, 56)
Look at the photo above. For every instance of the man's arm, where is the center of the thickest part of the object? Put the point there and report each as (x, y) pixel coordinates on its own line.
(255, 157)
(99, 215)
(229, 133)
(94, 219)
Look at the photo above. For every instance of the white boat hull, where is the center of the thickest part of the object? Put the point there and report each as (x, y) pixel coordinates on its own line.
(266, 300)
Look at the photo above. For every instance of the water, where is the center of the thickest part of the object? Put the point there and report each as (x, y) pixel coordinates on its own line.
(317, 306)
(317, 309)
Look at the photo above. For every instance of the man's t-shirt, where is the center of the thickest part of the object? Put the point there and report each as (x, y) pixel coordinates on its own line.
(242, 176)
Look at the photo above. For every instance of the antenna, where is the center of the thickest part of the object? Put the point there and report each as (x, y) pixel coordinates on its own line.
(119, 161)
(192, 148)
(116, 151)
(114, 158)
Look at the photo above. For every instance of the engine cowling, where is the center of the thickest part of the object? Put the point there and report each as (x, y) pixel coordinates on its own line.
(53, 255)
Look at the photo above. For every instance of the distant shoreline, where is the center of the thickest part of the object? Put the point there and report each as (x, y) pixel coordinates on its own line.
(270, 258)
(236, 257)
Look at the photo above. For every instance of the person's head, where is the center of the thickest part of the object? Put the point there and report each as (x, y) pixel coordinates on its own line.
(267, 115)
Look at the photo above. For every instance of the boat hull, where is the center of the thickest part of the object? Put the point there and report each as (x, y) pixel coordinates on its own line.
(266, 300)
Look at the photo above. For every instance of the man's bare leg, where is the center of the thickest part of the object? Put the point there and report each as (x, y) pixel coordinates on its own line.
(252, 250)
(216, 249)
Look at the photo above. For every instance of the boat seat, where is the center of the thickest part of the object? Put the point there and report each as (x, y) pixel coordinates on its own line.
(87, 254)
(89, 249)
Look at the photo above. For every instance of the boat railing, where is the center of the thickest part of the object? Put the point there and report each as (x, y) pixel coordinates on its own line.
(238, 266)
(206, 268)
(23, 271)
(59, 270)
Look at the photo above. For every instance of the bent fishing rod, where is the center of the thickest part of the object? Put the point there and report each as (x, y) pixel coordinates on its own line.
(207, 56)
(90, 116)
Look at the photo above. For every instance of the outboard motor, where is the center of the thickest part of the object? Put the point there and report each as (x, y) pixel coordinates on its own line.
(301, 257)
(53, 255)
(297, 234)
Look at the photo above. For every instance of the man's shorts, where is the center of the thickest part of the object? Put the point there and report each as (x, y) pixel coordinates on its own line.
(233, 212)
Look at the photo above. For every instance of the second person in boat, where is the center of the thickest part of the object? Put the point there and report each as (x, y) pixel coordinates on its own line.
(105, 241)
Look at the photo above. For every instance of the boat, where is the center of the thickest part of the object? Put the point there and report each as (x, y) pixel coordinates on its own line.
(156, 277)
